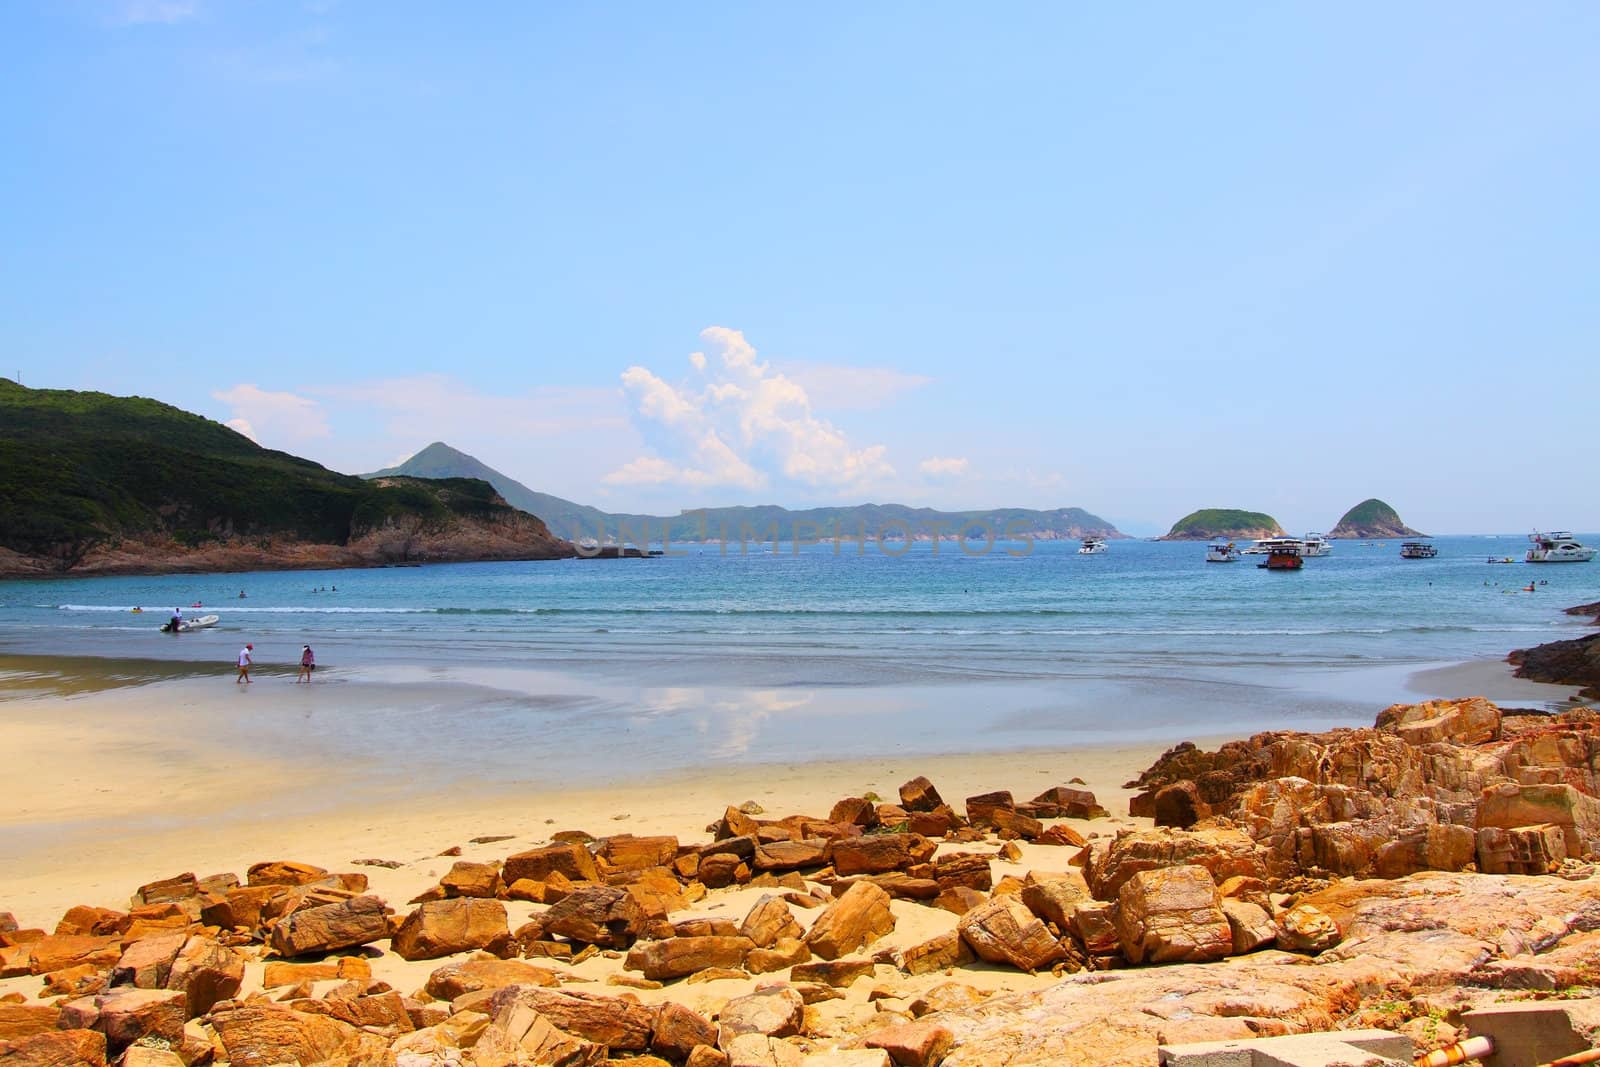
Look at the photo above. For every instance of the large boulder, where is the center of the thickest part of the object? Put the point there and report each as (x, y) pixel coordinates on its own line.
(444, 927)
(25, 1020)
(1054, 899)
(64, 1048)
(1471, 721)
(1224, 853)
(877, 853)
(858, 918)
(773, 1012)
(571, 859)
(60, 951)
(676, 957)
(1003, 930)
(262, 1035)
(128, 1015)
(519, 1034)
(358, 921)
(283, 872)
(769, 921)
(616, 1022)
(1508, 806)
(679, 1029)
(455, 979)
(469, 879)
(206, 973)
(625, 852)
(596, 915)
(981, 808)
(919, 795)
(1172, 914)
(1306, 928)
(1521, 850)
(146, 963)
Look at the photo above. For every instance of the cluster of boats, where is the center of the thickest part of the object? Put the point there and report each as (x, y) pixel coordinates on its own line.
(1290, 553)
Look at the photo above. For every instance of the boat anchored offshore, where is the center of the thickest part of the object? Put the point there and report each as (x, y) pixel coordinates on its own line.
(1418, 550)
(1283, 554)
(1092, 546)
(1558, 546)
(1314, 544)
(1221, 552)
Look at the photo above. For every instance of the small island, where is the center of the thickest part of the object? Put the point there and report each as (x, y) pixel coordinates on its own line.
(1371, 519)
(1209, 523)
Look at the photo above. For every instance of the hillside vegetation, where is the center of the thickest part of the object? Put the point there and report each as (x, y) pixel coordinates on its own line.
(890, 521)
(1372, 518)
(86, 474)
(1223, 522)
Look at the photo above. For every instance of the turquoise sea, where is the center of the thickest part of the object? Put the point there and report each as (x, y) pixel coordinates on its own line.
(756, 655)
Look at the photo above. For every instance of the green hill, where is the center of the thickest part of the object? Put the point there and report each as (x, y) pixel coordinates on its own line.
(1224, 522)
(565, 519)
(577, 522)
(1372, 518)
(85, 474)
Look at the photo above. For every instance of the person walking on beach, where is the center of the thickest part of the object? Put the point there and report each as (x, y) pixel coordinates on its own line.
(244, 664)
(308, 663)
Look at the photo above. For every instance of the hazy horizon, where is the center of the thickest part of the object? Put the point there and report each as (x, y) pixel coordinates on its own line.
(1140, 262)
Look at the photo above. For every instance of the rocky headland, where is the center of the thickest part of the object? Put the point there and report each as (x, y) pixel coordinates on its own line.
(1391, 876)
(1372, 519)
(92, 484)
(1210, 523)
(1575, 662)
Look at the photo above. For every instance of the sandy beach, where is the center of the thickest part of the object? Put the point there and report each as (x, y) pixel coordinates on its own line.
(111, 796)
(116, 784)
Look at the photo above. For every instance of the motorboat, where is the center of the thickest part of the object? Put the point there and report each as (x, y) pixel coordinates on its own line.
(1418, 550)
(1557, 546)
(186, 625)
(1314, 544)
(1221, 552)
(1092, 546)
(1283, 554)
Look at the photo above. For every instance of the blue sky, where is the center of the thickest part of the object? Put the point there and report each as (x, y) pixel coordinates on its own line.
(1143, 260)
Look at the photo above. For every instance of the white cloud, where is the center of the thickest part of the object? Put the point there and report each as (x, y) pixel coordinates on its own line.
(943, 467)
(160, 12)
(740, 424)
(276, 420)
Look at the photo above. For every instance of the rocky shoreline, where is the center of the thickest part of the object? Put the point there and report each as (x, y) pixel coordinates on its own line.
(1391, 876)
(1575, 662)
(404, 542)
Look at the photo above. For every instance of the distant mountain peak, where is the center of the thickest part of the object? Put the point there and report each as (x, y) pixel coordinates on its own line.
(579, 522)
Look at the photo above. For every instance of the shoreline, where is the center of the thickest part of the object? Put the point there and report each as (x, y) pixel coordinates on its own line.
(116, 791)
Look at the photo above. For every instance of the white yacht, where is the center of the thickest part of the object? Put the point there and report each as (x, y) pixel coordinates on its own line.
(1557, 546)
(1221, 552)
(1092, 546)
(1314, 544)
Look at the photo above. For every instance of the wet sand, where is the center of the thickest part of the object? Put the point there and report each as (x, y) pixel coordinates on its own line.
(117, 783)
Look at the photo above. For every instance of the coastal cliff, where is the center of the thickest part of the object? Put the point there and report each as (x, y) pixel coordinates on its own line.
(1372, 519)
(1231, 523)
(94, 484)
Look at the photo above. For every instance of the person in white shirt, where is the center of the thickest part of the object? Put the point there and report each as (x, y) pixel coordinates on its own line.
(244, 664)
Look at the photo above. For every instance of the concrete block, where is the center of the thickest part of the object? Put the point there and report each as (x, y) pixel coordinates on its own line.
(1531, 1032)
(1345, 1048)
